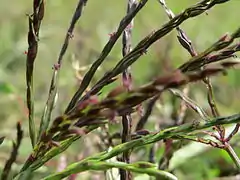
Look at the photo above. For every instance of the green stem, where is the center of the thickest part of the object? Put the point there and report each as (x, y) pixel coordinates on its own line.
(232, 154)
(138, 167)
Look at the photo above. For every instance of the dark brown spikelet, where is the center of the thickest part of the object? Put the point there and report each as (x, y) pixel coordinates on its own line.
(177, 78)
(115, 92)
(198, 75)
(90, 101)
(58, 121)
(228, 64)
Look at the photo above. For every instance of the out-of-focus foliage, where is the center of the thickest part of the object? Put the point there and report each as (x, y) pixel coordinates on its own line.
(101, 18)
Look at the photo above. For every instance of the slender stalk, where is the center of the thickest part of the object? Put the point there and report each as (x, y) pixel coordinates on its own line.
(127, 83)
(52, 95)
(190, 103)
(228, 148)
(141, 123)
(7, 168)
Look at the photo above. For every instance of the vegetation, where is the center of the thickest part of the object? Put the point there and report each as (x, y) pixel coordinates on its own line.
(139, 89)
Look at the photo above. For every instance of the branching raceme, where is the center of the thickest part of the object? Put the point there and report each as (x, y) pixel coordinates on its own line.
(85, 113)
(62, 133)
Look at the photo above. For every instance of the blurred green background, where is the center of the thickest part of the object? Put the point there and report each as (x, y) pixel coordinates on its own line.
(91, 33)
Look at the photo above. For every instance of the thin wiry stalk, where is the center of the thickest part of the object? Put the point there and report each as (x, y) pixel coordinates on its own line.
(33, 35)
(234, 131)
(52, 95)
(149, 139)
(228, 148)
(211, 99)
(221, 130)
(106, 50)
(143, 45)
(126, 136)
(141, 123)
(164, 161)
(183, 108)
(14, 153)
(127, 82)
(190, 103)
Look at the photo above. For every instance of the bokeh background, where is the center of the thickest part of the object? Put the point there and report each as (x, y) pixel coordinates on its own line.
(101, 18)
